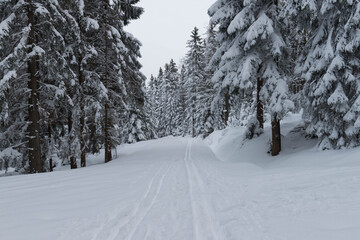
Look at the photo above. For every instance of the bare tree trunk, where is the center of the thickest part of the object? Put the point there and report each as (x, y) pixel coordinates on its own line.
(82, 116)
(276, 136)
(193, 124)
(50, 146)
(259, 104)
(51, 168)
(275, 122)
(107, 137)
(227, 107)
(106, 80)
(73, 164)
(35, 162)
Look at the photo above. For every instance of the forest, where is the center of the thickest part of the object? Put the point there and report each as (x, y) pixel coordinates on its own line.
(71, 81)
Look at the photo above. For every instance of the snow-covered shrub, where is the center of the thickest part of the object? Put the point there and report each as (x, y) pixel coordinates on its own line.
(10, 158)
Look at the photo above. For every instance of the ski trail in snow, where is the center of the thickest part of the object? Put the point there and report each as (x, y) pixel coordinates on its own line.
(205, 224)
(193, 208)
(113, 226)
(146, 209)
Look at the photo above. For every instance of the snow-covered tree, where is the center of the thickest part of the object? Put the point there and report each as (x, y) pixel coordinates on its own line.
(151, 105)
(195, 84)
(330, 66)
(181, 106)
(69, 79)
(118, 68)
(169, 90)
(252, 57)
(31, 85)
(224, 67)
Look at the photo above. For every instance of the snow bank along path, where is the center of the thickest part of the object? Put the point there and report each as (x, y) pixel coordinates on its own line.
(176, 189)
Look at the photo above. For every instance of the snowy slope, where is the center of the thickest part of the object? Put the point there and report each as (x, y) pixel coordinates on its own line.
(182, 188)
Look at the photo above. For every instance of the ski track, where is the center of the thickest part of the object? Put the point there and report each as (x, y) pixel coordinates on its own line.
(187, 193)
(203, 213)
(140, 212)
(143, 214)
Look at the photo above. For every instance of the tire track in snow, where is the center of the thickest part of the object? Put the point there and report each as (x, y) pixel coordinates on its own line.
(204, 220)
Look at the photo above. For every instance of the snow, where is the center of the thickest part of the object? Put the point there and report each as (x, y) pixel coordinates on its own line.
(181, 188)
(262, 28)
(4, 25)
(4, 81)
(240, 22)
(91, 24)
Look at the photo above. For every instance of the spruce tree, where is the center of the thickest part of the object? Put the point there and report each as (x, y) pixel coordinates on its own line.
(31, 84)
(253, 57)
(195, 81)
(329, 65)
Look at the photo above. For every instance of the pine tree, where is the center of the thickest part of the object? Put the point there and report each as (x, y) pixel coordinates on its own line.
(195, 79)
(118, 68)
(330, 66)
(225, 61)
(31, 60)
(253, 57)
(181, 106)
(151, 105)
(211, 45)
(169, 89)
(80, 67)
(161, 103)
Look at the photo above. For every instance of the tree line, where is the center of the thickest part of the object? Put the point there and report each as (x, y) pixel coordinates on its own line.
(263, 59)
(70, 81)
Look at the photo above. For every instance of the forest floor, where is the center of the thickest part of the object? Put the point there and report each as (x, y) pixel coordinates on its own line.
(182, 189)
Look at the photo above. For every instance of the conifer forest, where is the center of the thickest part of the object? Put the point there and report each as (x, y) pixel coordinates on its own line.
(270, 87)
(71, 81)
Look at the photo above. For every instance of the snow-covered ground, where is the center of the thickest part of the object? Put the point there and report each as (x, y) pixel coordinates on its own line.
(183, 189)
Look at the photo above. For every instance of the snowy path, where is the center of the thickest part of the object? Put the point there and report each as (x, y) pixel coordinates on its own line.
(176, 189)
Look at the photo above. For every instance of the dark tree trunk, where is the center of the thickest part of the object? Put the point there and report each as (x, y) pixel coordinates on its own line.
(276, 136)
(50, 147)
(51, 167)
(193, 124)
(227, 107)
(107, 137)
(73, 164)
(81, 138)
(106, 81)
(35, 162)
(82, 116)
(259, 104)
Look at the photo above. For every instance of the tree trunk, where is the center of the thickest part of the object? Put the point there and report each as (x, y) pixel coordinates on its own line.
(259, 104)
(82, 116)
(193, 124)
(51, 165)
(227, 107)
(50, 146)
(81, 138)
(35, 162)
(107, 137)
(276, 136)
(106, 81)
(73, 164)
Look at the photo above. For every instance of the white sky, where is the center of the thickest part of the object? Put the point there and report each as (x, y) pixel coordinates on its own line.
(164, 29)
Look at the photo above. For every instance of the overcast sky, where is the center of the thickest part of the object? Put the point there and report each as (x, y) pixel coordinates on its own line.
(164, 29)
